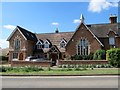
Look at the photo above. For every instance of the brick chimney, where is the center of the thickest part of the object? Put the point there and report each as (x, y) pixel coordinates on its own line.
(113, 18)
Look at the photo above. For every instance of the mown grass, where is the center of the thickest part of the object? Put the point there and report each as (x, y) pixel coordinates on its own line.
(65, 72)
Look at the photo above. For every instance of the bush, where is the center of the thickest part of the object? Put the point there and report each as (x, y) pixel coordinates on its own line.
(113, 55)
(99, 55)
(4, 58)
(82, 57)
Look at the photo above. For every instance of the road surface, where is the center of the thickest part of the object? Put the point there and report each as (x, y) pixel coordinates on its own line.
(60, 82)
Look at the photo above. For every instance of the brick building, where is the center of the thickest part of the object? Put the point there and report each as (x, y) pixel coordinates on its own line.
(84, 40)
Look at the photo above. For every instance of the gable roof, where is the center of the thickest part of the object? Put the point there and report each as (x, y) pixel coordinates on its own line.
(89, 31)
(102, 30)
(29, 35)
(55, 38)
(25, 33)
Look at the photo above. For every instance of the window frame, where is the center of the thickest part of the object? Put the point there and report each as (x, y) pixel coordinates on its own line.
(63, 43)
(83, 47)
(17, 44)
(111, 40)
(46, 44)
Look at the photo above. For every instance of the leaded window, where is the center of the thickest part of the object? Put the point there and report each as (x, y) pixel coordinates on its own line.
(17, 44)
(83, 47)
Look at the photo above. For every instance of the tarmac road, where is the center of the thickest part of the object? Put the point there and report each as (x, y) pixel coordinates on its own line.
(60, 82)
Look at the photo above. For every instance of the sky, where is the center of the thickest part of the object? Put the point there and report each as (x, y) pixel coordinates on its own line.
(45, 17)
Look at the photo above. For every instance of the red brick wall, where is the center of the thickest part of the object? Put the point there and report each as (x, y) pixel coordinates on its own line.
(26, 47)
(31, 63)
(117, 42)
(77, 62)
(82, 32)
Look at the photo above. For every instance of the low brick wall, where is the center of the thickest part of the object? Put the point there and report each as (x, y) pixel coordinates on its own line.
(78, 62)
(30, 63)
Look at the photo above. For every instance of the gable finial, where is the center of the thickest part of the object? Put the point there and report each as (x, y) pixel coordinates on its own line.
(82, 18)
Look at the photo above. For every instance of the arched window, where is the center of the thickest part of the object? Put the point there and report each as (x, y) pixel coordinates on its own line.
(17, 44)
(62, 43)
(83, 47)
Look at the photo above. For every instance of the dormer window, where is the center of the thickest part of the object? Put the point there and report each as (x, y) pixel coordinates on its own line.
(39, 44)
(46, 44)
(62, 43)
(112, 40)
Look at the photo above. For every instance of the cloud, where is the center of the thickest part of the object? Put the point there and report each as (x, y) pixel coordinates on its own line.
(10, 27)
(4, 43)
(55, 23)
(76, 21)
(99, 5)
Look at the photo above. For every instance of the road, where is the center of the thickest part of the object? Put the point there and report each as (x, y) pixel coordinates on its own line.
(60, 82)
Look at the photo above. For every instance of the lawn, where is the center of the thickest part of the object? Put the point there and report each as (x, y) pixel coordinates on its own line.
(96, 71)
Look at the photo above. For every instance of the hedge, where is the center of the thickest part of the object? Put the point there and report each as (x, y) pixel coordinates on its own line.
(99, 55)
(113, 55)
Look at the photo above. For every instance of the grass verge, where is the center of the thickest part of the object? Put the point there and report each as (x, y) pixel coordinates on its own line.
(99, 71)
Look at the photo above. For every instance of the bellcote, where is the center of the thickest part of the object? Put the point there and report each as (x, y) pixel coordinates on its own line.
(82, 18)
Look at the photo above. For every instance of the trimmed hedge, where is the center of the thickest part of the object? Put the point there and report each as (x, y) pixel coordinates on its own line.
(82, 57)
(99, 55)
(113, 55)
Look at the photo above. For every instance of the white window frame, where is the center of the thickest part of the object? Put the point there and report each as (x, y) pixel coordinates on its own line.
(39, 46)
(46, 44)
(111, 40)
(83, 47)
(63, 43)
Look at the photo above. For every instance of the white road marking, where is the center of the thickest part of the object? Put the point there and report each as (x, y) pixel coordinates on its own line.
(58, 76)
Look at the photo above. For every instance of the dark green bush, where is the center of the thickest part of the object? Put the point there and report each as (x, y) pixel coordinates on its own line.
(99, 55)
(113, 55)
(82, 57)
(4, 58)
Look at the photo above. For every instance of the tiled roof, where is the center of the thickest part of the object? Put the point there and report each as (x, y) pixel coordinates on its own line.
(55, 38)
(29, 35)
(102, 30)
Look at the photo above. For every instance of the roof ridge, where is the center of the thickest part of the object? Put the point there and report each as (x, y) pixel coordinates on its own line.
(25, 29)
(103, 24)
(56, 33)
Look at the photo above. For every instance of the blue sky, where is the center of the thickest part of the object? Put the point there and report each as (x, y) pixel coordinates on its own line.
(45, 17)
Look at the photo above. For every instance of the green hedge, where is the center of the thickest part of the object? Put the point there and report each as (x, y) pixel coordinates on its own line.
(99, 55)
(113, 55)
(4, 58)
(82, 57)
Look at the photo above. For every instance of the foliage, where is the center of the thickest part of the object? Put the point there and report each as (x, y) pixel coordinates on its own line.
(82, 57)
(4, 58)
(113, 55)
(99, 55)
(20, 69)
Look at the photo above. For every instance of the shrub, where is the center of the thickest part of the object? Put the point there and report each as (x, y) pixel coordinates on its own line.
(82, 57)
(49, 69)
(113, 56)
(99, 55)
(4, 58)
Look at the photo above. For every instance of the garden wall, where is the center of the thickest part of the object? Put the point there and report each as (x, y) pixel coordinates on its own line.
(31, 63)
(78, 62)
